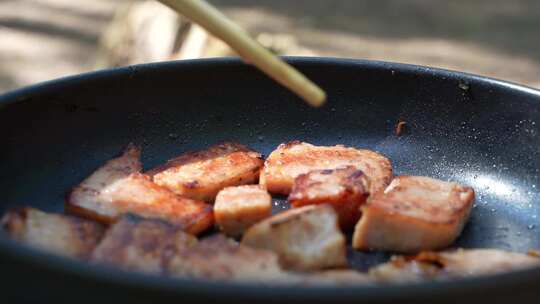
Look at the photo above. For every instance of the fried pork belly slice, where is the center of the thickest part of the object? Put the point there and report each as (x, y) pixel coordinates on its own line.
(114, 190)
(413, 214)
(292, 159)
(61, 234)
(450, 264)
(306, 238)
(238, 208)
(84, 198)
(138, 244)
(200, 175)
(342, 277)
(223, 259)
(139, 195)
(346, 189)
(404, 270)
(471, 262)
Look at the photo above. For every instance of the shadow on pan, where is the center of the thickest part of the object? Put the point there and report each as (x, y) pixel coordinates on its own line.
(469, 129)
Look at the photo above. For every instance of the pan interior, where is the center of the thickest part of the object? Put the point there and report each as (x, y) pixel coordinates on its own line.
(458, 127)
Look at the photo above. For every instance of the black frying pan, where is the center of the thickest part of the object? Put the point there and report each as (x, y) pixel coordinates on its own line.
(473, 130)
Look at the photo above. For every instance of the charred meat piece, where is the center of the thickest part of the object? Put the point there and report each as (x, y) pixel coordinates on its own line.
(450, 264)
(292, 159)
(61, 234)
(134, 243)
(116, 189)
(237, 208)
(220, 258)
(346, 189)
(200, 175)
(306, 238)
(413, 214)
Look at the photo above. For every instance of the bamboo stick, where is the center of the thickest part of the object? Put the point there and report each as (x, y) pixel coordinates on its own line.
(207, 16)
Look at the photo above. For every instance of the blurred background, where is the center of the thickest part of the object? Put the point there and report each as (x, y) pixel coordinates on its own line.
(46, 39)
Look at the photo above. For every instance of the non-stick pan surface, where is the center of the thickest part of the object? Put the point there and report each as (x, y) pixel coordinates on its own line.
(464, 128)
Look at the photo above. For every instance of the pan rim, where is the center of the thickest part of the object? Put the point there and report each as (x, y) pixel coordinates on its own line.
(20, 94)
(218, 290)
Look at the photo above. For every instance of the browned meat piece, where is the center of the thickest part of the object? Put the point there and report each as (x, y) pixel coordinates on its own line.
(346, 189)
(138, 194)
(219, 258)
(61, 234)
(200, 175)
(116, 189)
(138, 244)
(413, 214)
(306, 238)
(450, 264)
(292, 159)
(237, 208)
(404, 270)
(478, 261)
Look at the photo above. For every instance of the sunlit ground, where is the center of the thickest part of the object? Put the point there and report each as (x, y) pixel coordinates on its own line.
(45, 39)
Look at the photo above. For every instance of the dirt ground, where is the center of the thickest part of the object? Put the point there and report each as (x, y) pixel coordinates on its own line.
(45, 39)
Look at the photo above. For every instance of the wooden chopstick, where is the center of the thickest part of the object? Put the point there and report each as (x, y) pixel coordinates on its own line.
(207, 16)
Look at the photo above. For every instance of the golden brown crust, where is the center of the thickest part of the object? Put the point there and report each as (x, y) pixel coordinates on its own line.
(219, 258)
(290, 160)
(404, 270)
(58, 233)
(201, 174)
(346, 189)
(467, 262)
(306, 238)
(84, 200)
(237, 208)
(429, 265)
(134, 243)
(88, 214)
(289, 144)
(413, 214)
(427, 198)
(115, 189)
(139, 195)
